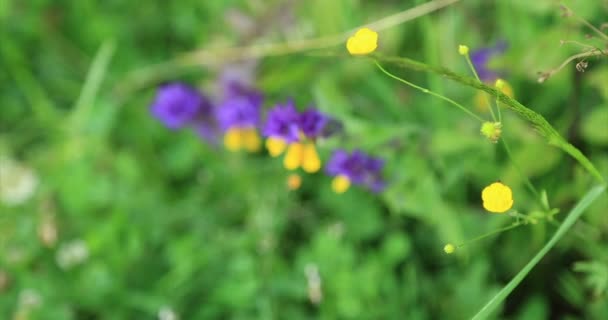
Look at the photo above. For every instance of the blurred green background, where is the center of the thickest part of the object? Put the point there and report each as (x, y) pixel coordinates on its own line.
(119, 218)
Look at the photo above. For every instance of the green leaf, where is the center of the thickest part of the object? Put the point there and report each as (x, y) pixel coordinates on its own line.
(574, 214)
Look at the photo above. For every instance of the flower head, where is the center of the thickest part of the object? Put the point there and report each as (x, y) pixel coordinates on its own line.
(497, 197)
(286, 129)
(463, 50)
(283, 123)
(491, 130)
(240, 108)
(18, 183)
(177, 105)
(356, 168)
(312, 123)
(238, 116)
(363, 42)
(449, 248)
(481, 58)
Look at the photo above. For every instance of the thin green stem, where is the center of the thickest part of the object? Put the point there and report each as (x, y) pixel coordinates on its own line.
(541, 125)
(459, 106)
(519, 171)
(498, 109)
(585, 22)
(485, 235)
(472, 67)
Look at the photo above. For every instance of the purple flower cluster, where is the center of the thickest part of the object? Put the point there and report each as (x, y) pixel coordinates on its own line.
(285, 123)
(481, 58)
(358, 167)
(178, 105)
(238, 114)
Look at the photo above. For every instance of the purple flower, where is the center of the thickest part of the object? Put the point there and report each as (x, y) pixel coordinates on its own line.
(358, 167)
(240, 108)
(312, 123)
(482, 57)
(177, 105)
(283, 123)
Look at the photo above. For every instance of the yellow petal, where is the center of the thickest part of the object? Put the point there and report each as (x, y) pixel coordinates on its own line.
(275, 146)
(310, 158)
(251, 139)
(497, 197)
(364, 41)
(293, 158)
(340, 184)
(233, 140)
(294, 182)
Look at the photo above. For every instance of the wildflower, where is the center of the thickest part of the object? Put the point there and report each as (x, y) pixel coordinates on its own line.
(449, 248)
(177, 105)
(355, 168)
(313, 279)
(463, 50)
(296, 133)
(294, 182)
(72, 254)
(238, 116)
(363, 42)
(497, 198)
(167, 313)
(282, 128)
(17, 183)
(491, 130)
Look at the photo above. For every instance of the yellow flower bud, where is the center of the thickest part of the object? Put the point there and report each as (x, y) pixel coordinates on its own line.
(463, 50)
(294, 182)
(449, 248)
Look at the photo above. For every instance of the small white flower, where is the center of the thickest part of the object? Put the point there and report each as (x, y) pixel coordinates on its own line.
(72, 254)
(315, 293)
(167, 313)
(17, 182)
(29, 298)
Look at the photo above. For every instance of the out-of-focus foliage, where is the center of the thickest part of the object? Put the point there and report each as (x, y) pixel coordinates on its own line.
(125, 219)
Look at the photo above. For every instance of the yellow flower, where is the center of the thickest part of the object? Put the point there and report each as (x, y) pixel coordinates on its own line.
(340, 184)
(302, 155)
(497, 197)
(363, 42)
(236, 139)
(449, 248)
(294, 182)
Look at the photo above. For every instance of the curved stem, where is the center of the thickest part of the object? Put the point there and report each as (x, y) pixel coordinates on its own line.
(459, 106)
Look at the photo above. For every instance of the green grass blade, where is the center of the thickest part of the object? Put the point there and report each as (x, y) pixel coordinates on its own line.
(542, 126)
(574, 214)
(92, 84)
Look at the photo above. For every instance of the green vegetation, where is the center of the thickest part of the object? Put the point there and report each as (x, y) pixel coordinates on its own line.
(107, 214)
